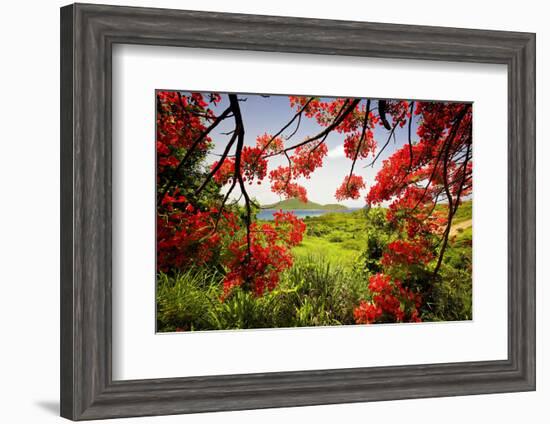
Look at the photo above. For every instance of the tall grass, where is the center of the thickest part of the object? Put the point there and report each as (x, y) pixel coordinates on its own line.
(312, 293)
(184, 300)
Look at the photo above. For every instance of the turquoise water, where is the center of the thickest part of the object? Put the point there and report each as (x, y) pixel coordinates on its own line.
(267, 214)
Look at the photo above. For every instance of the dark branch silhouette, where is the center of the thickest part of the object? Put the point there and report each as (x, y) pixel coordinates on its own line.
(360, 143)
(239, 130)
(189, 152)
(410, 140)
(392, 130)
(219, 164)
(324, 132)
(452, 206)
(382, 113)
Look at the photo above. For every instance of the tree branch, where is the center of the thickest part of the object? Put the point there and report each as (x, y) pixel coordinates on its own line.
(337, 121)
(234, 102)
(451, 205)
(385, 145)
(410, 141)
(451, 135)
(382, 114)
(298, 115)
(359, 144)
(190, 151)
(219, 164)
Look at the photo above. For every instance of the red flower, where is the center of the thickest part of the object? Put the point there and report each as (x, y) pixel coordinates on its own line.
(391, 302)
(269, 144)
(350, 188)
(405, 252)
(307, 158)
(281, 184)
(253, 165)
(226, 171)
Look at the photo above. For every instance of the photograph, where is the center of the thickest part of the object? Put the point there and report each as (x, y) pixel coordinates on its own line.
(280, 211)
(275, 212)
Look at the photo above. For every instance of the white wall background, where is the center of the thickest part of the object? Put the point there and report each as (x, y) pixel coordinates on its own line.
(29, 216)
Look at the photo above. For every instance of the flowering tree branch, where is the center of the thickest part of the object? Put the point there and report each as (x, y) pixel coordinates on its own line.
(189, 152)
(322, 133)
(360, 143)
(452, 204)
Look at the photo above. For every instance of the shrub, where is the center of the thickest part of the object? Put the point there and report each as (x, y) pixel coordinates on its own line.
(337, 237)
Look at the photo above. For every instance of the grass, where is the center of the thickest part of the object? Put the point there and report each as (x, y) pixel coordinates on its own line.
(312, 293)
(338, 238)
(327, 281)
(463, 213)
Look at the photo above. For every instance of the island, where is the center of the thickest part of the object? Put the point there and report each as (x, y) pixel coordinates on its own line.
(297, 204)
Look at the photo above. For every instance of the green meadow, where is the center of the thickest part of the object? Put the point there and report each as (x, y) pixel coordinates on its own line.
(337, 238)
(332, 265)
(340, 238)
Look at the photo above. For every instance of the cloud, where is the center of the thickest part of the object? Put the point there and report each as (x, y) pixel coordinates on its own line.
(337, 152)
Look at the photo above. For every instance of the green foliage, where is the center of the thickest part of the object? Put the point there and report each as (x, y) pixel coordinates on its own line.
(330, 291)
(463, 213)
(337, 237)
(312, 293)
(184, 300)
(378, 233)
(326, 283)
(451, 294)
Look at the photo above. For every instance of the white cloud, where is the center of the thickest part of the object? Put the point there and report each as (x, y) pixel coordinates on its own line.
(337, 152)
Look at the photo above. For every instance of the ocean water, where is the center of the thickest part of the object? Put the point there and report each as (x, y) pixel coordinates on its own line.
(267, 214)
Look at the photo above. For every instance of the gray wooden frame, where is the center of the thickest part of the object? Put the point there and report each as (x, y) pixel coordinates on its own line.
(88, 33)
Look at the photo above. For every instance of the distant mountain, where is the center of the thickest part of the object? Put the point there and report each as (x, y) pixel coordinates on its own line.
(291, 204)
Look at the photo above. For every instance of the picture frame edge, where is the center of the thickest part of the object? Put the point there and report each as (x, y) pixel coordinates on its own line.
(87, 390)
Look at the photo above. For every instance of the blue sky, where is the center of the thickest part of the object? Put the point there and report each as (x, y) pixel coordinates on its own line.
(270, 114)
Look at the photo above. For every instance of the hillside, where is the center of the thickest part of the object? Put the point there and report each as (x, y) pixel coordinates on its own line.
(291, 204)
(463, 213)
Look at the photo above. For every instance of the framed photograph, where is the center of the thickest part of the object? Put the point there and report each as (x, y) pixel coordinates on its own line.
(263, 212)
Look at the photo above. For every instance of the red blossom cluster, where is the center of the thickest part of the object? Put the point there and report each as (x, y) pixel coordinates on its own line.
(185, 234)
(438, 149)
(299, 101)
(269, 144)
(281, 184)
(289, 227)
(325, 112)
(180, 120)
(254, 165)
(193, 234)
(260, 264)
(225, 172)
(184, 231)
(341, 115)
(399, 111)
(259, 269)
(297, 191)
(352, 149)
(401, 252)
(391, 302)
(307, 158)
(350, 188)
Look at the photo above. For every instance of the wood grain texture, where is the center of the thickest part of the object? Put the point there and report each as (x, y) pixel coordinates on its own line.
(88, 33)
(66, 211)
